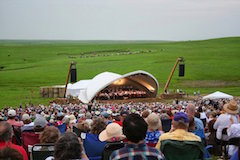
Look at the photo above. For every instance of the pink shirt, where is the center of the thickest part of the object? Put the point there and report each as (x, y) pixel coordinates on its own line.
(15, 123)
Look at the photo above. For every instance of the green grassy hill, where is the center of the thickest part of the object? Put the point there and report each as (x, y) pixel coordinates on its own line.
(210, 65)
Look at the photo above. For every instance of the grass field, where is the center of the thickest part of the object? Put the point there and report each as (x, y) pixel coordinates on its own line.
(210, 65)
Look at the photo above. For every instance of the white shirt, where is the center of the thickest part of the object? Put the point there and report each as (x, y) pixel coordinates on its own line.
(203, 115)
(223, 121)
(234, 131)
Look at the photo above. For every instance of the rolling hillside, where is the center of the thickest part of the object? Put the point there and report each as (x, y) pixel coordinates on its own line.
(210, 65)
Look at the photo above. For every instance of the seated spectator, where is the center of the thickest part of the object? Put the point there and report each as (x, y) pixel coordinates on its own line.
(93, 146)
(224, 120)
(113, 136)
(116, 119)
(199, 131)
(164, 115)
(192, 125)
(145, 114)
(72, 121)
(8, 153)
(212, 135)
(233, 132)
(68, 147)
(59, 119)
(49, 135)
(83, 126)
(112, 133)
(6, 132)
(153, 132)
(107, 117)
(30, 138)
(135, 129)
(12, 118)
(89, 118)
(28, 124)
(179, 132)
(39, 123)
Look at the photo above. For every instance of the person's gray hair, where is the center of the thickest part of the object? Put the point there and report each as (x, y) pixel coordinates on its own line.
(6, 131)
(180, 125)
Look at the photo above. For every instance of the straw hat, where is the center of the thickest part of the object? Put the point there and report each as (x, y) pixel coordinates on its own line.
(113, 130)
(231, 107)
(153, 121)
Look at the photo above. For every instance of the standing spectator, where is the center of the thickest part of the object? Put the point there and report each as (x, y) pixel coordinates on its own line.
(203, 116)
(6, 132)
(135, 129)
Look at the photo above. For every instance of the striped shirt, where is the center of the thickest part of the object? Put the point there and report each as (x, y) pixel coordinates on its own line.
(137, 152)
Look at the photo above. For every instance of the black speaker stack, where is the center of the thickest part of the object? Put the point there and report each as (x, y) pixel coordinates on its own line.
(181, 70)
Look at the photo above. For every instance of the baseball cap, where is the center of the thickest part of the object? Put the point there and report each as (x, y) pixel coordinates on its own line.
(25, 116)
(40, 121)
(105, 115)
(12, 113)
(181, 117)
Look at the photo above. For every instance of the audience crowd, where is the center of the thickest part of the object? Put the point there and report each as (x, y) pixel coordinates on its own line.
(149, 130)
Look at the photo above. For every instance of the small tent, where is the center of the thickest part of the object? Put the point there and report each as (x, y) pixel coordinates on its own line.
(218, 95)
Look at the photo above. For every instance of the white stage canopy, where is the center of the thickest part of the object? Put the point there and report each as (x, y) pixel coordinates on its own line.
(86, 90)
(218, 95)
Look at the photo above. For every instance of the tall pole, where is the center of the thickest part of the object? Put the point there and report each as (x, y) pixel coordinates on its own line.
(69, 70)
(171, 74)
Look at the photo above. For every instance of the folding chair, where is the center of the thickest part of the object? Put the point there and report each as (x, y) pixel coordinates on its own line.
(28, 140)
(77, 131)
(42, 151)
(182, 150)
(110, 147)
(235, 141)
(224, 144)
(16, 139)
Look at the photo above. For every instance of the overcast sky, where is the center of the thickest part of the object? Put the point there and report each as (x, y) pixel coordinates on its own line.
(119, 19)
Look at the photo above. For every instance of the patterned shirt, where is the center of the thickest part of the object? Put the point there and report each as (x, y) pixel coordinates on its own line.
(152, 137)
(137, 152)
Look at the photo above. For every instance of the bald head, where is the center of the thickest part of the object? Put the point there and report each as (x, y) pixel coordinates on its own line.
(5, 131)
(190, 109)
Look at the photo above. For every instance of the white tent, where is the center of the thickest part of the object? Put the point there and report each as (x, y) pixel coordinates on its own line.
(74, 89)
(218, 95)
